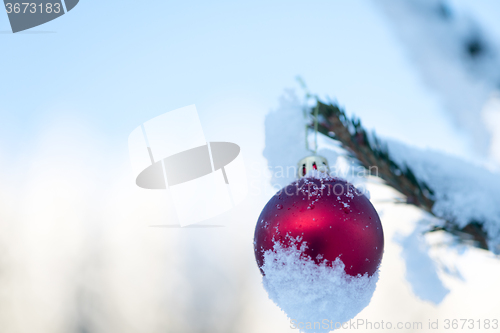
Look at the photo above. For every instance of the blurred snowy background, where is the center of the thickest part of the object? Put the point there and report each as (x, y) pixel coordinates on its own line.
(77, 250)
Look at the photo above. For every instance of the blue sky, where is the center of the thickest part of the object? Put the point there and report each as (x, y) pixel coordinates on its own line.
(113, 65)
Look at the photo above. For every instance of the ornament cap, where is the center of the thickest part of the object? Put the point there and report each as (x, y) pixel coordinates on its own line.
(312, 163)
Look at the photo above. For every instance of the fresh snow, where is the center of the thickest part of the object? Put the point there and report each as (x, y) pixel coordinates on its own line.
(463, 192)
(316, 298)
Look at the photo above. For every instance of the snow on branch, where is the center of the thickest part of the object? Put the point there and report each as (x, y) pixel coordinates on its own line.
(465, 197)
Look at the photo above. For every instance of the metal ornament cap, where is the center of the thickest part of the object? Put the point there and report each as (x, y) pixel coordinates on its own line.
(312, 163)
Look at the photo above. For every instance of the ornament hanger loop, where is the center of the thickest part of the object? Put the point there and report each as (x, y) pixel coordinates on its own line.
(316, 112)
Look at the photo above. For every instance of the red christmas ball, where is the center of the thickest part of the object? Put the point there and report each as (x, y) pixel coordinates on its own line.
(334, 219)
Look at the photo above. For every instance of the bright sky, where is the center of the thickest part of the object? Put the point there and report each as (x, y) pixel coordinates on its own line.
(233, 60)
(72, 90)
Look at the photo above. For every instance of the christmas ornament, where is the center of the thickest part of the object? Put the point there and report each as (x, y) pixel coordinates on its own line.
(331, 216)
(319, 243)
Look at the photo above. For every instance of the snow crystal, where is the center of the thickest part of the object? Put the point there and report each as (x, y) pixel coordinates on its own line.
(312, 293)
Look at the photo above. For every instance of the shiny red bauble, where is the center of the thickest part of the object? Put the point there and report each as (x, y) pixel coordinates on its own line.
(331, 216)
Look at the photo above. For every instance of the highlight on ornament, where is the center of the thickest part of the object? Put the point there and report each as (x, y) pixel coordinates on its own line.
(318, 244)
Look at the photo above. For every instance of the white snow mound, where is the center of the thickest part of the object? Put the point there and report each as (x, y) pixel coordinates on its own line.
(316, 298)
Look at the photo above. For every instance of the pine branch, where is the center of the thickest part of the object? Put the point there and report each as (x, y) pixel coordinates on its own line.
(371, 152)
